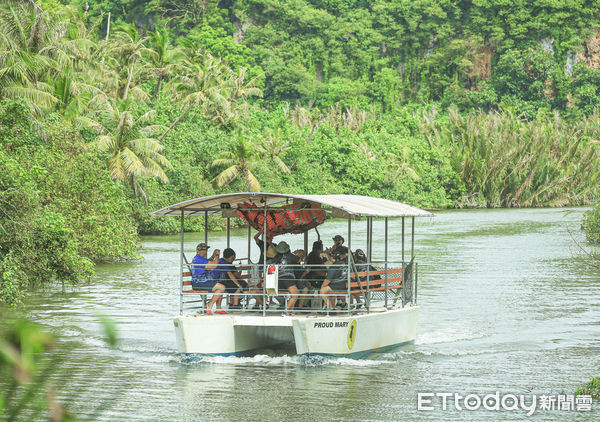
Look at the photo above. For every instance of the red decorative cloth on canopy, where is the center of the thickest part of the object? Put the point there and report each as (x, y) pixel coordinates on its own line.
(292, 218)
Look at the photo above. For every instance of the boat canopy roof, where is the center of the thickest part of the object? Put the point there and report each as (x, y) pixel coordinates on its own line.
(345, 206)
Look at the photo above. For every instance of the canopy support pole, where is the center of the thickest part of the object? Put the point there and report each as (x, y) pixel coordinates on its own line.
(265, 300)
(349, 261)
(412, 239)
(305, 244)
(371, 239)
(181, 269)
(229, 231)
(402, 240)
(369, 259)
(385, 253)
(249, 242)
(206, 227)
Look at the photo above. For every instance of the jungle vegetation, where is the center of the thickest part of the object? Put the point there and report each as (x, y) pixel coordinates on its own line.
(112, 109)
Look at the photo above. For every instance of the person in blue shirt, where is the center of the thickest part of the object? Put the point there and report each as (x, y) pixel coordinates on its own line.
(228, 280)
(203, 279)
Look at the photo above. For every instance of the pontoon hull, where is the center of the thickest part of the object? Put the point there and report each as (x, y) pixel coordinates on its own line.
(345, 335)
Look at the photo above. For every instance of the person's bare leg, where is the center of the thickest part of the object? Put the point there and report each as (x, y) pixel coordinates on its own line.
(294, 292)
(325, 289)
(218, 291)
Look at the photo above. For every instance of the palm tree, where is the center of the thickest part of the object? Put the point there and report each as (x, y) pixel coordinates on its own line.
(239, 88)
(133, 150)
(25, 33)
(239, 161)
(397, 165)
(204, 87)
(273, 146)
(72, 94)
(164, 59)
(129, 46)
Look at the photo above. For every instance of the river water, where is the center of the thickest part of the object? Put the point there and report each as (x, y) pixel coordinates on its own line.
(507, 304)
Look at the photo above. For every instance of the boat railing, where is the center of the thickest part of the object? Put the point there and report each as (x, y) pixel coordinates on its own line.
(370, 287)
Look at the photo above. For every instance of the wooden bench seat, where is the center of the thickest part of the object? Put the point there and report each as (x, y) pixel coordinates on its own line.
(394, 280)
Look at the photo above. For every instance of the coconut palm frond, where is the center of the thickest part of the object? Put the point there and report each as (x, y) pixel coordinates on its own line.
(282, 166)
(132, 164)
(145, 146)
(251, 181)
(31, 94)
(152, 130)
(227, 176)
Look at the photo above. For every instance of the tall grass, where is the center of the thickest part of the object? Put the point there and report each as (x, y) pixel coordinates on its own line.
(506, 161)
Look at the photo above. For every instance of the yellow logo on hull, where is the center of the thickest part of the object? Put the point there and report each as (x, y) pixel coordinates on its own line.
(351, 334)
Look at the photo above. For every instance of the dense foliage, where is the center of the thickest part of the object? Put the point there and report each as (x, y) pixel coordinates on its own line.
(591, 224)
(360, 52)
(113, 109)
(59, 210)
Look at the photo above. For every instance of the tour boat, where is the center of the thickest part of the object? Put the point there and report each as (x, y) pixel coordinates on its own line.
(384, 291)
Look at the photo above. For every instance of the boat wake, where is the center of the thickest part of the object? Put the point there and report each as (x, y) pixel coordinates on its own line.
(284, 360)
(448, 336)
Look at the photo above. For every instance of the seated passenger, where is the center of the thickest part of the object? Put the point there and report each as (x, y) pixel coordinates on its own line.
(228, 280)
(338, 242)
(336, 278)
(287, 278)
(315, 272)
(303, 286)
(201, 276)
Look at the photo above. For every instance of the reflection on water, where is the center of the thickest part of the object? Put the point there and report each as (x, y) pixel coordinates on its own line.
(506, 304)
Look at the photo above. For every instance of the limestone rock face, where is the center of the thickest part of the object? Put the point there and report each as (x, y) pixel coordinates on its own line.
(591, 54)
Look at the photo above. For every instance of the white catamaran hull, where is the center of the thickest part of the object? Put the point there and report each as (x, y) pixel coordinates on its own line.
(330, 335)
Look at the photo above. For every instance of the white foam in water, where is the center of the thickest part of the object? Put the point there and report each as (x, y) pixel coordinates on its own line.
(286, 360)
(447, 335)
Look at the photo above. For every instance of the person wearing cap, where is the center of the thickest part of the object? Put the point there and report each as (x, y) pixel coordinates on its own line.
(201, 265)
(202, 273)
(334, 251)
(287, 278)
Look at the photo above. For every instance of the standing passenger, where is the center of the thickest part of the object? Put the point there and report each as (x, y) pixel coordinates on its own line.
(287, 278)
